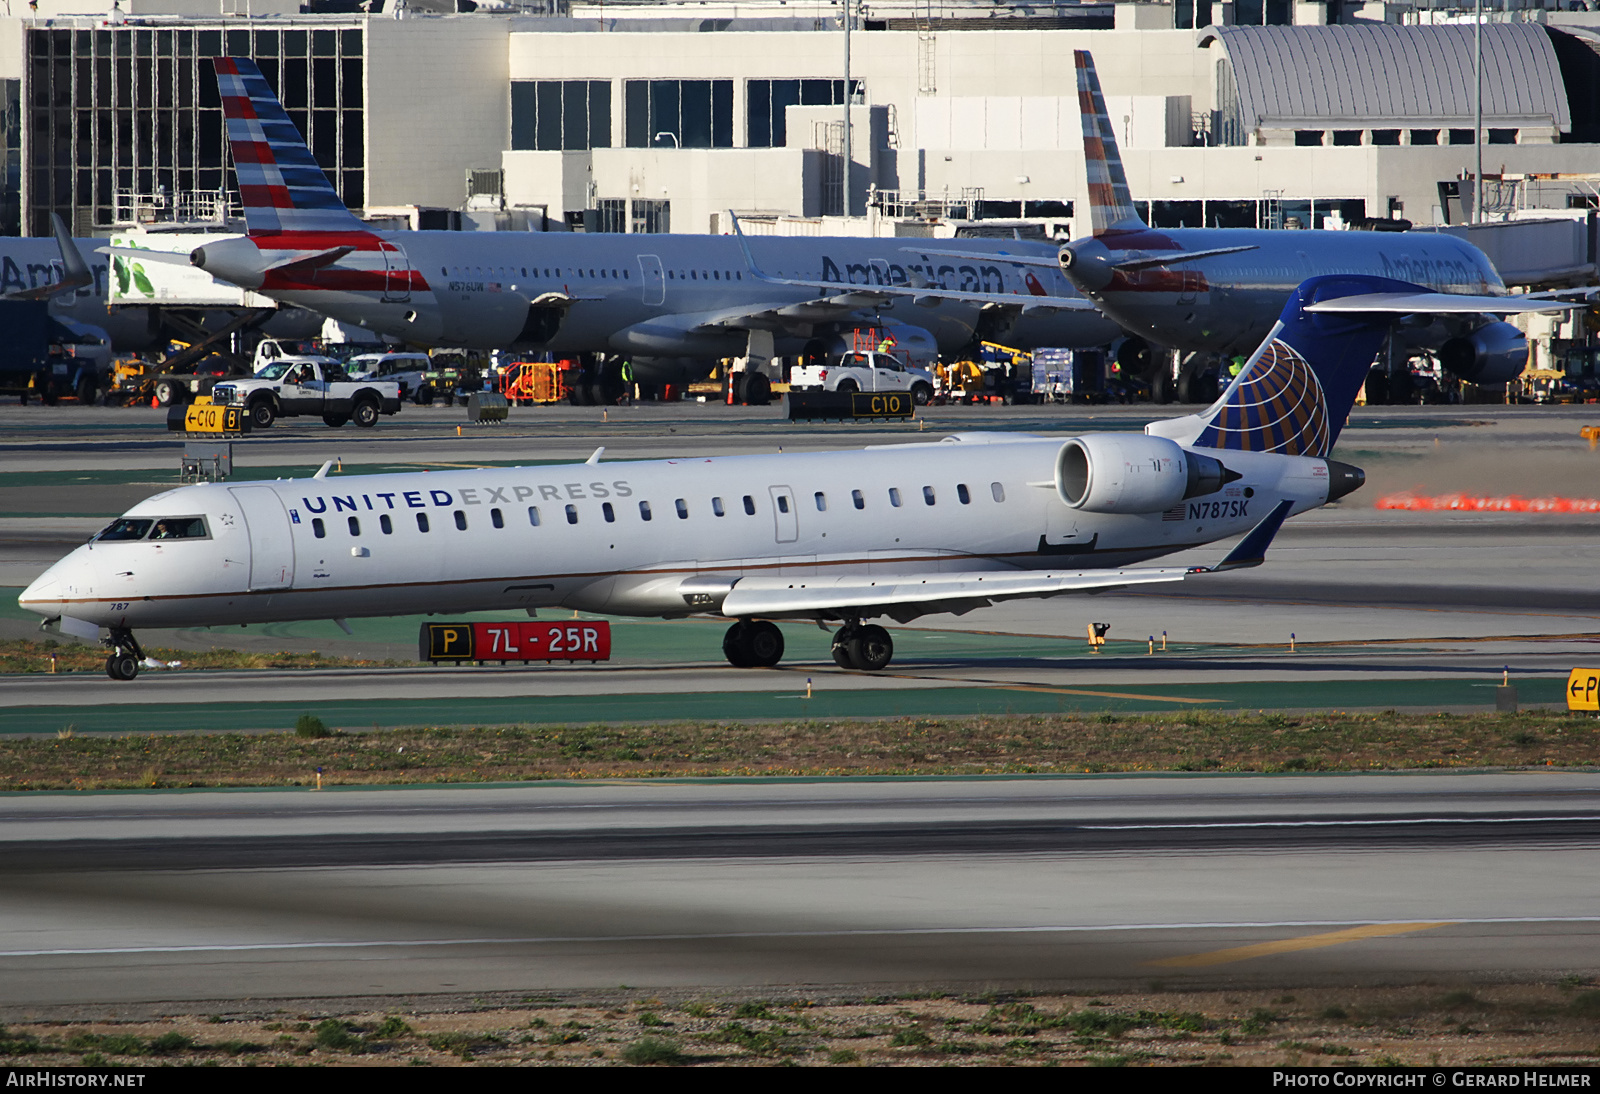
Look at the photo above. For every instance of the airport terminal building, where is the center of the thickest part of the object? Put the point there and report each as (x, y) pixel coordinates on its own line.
(661, 116)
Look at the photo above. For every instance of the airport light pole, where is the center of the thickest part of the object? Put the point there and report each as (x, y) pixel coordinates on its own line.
(1477, 110)
(844, 13)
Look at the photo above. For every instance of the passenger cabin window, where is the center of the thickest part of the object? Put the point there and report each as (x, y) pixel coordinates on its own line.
(533, 515)
(644, 510)
(422, 522)
(497, 518)
(318, 529)
(963, 495)
(572, 514)
(927, 495)
(749, 505)
(822, 502)
(683, 509)
(355, 527)
(461, 520)
(894, 496)
(609, 513)
(856, 496)
(783, 503)
(386, 524)
(716, 506)
(998, 491)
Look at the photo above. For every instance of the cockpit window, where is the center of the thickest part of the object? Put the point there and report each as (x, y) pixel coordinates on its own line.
(125, 529)
(179, 528)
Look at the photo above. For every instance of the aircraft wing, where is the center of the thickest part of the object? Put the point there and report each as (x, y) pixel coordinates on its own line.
(906, 597)
(1159, 258)
(878, 295)
(1441, 303)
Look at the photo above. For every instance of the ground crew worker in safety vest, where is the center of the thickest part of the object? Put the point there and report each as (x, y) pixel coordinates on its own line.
(887, 345)
(627, 380)
(1235, 367)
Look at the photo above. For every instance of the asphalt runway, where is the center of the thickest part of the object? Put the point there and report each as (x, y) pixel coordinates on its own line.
(1076, 883)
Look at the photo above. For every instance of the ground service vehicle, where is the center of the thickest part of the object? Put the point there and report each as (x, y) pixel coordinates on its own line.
(293, 386)
(409, 370)
(867, 372)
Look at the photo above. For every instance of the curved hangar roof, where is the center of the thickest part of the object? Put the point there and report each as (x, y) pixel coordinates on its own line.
(1368, 77)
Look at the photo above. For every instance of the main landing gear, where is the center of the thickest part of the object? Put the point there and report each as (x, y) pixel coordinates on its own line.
(123, 664)
(759, 644)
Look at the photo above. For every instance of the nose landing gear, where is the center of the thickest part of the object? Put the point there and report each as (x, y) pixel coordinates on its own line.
(123, 663)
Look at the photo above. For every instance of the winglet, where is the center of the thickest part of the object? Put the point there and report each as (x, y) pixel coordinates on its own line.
(744, 248)
(74, 270)
(1252, 549)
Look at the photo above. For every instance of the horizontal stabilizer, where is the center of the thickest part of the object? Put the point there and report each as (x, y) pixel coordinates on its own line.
(170, 258)
(1252, 549)
(1440, 303)
(309, 260)
(776, 596)
(1170, 258)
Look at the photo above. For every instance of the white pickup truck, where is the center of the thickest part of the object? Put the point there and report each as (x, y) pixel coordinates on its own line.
(867, 372)
(291, 387)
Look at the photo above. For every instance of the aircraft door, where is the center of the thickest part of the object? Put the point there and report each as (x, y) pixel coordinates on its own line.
(396, 274)
(784, 514)
(271, 537)
(652, 280)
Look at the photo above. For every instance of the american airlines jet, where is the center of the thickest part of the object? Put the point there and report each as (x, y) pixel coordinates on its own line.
(1219, 290)
(908, 530)
(673, 303)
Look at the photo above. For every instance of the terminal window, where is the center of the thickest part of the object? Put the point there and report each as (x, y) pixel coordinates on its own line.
(766, 100)
(678, 113)
(126, 117)
(560, 115)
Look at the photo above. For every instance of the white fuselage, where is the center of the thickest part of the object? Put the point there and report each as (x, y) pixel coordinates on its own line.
(538, 536)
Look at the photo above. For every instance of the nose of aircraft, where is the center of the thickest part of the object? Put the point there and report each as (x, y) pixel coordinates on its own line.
(48, 593)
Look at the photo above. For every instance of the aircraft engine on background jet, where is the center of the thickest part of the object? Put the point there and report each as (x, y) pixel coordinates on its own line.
(1133, 473)
(1493, 354)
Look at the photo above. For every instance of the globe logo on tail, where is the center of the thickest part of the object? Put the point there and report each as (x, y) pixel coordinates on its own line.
(1277, 405)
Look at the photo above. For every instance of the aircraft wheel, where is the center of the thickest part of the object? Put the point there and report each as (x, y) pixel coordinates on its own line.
(734, 647)
(757, 390)
(870, 648)
(334, 421)
(262, 413)
(763, 643)
(122, 666)
(841, 654)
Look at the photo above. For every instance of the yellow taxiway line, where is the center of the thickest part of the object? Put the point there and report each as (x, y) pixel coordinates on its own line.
(1289, 945)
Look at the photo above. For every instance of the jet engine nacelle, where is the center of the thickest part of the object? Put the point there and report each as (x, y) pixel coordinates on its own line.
(1133, 473)
(1492, 354)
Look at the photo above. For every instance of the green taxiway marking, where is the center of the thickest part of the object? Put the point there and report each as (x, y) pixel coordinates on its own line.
(787, 704)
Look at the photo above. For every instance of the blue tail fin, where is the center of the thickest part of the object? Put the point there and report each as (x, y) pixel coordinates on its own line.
(1297, 390)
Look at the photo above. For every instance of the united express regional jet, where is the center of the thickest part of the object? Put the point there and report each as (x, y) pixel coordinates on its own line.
(674, 303)
(845, 537)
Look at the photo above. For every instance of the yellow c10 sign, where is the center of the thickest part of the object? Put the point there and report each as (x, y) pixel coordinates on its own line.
(214, 419)
(1583, 689)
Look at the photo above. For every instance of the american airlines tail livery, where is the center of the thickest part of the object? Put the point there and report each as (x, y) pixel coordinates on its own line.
(844, 537)
(673, 303)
